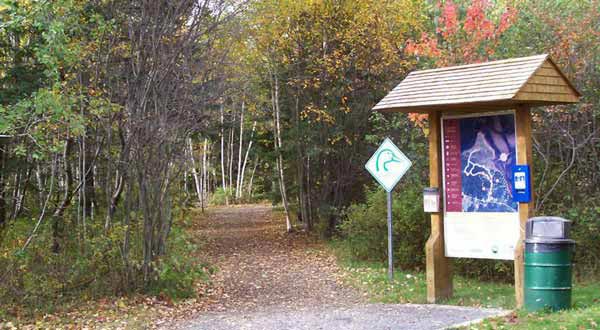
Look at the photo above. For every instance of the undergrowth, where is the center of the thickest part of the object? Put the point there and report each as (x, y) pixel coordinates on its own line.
(36, 281)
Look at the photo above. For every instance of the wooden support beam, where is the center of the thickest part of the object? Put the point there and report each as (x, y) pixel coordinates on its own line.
(524, 157)
(439, 268)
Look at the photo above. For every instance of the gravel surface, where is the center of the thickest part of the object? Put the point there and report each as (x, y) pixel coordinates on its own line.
(358, 317)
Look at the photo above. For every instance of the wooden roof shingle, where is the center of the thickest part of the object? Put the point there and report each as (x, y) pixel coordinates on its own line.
(533, 80)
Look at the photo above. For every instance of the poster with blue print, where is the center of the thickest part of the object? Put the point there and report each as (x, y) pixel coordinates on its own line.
(488, 154)
(480, 211)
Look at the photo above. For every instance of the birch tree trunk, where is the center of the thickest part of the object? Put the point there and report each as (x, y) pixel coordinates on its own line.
(194, 171)
(239, 167)
(207, 171)
(246, 157)
(185, 185)
(203, 180)
(278, 145)
(223, 155)
(252, 178)
(231, 138)
(40, 184)
(20, 191)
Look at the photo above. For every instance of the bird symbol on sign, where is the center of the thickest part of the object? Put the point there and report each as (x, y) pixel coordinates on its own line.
(386, 156)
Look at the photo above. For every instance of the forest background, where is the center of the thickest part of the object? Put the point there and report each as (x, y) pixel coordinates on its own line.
(116, 117)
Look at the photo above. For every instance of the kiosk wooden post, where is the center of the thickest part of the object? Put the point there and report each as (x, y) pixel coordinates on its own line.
(439, 270)
(524, 157)
(513, 84)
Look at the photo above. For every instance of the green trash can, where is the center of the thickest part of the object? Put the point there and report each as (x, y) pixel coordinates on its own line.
(548, 264)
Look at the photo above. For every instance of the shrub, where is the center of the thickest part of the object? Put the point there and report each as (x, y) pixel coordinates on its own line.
(586, 233)
(364, 234)
(38, 280)
(177, 271)
(221, 196)
(364, 228)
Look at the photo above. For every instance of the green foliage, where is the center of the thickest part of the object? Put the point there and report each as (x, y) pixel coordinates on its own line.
(485, 269)
(37, 279)
(177, 271)
(44, 279)
(363, 234)
(256, 197)
(37, 98)
(586, 233)
(221, 196)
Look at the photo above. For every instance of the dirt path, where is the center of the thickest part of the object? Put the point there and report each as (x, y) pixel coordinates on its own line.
(269, 280)
(260, 266)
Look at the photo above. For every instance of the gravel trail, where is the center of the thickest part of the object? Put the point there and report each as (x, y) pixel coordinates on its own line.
(357, 317)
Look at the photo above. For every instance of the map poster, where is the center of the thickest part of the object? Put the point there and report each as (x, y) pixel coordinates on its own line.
(481, 218)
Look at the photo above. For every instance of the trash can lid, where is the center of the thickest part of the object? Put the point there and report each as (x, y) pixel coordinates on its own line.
(547, 228)
(548, 218)
(546, 240)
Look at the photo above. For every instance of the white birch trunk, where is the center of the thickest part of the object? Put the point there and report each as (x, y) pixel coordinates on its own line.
(185, 182)
(40, 184)
(194, 171)
(278, 144)
(246, 157)
(231, 138)
(252, 178)
(208, 171)
(239, 167)
(223, 154)
(203, 181)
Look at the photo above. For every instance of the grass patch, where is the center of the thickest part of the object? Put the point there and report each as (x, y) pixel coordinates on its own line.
(410, 287)
(585, 314)
(574, 319)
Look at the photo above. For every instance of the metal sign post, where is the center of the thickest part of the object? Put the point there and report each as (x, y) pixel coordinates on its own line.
(390, 243)
(387, 165)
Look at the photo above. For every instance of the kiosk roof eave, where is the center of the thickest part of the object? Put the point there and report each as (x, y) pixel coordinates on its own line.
(469, 107)
(530, 81)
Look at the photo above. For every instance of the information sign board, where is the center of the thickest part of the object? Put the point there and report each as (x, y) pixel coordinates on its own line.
(481, 218)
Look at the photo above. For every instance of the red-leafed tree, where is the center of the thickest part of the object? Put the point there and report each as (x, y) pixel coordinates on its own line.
(465, 32)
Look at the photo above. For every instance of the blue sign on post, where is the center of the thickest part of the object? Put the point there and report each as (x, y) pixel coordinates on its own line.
(521, 183)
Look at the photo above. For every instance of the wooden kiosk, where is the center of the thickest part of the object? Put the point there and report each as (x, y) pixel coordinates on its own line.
(508, 87)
